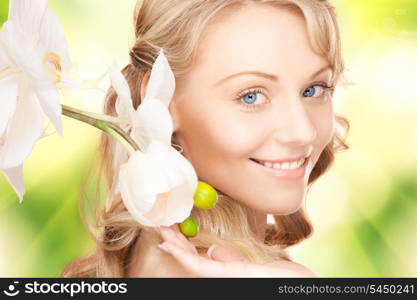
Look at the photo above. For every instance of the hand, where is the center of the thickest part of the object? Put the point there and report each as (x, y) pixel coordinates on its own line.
(221, 261)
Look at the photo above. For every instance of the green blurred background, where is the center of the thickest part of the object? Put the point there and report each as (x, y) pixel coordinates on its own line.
(364, 210)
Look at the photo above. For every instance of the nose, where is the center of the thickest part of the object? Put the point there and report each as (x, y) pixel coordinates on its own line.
(294, 124)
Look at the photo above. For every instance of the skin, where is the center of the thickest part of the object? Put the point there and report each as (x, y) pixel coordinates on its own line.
(219, 135)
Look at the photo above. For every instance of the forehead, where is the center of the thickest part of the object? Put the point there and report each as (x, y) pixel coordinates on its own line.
(257, 37)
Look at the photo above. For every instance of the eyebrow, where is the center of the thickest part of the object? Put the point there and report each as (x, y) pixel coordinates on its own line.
(266, 75)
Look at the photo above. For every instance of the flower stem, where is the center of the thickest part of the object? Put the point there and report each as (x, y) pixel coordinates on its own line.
(107, 118)
(108, 124)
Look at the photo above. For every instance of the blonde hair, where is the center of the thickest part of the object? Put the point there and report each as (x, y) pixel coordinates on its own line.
(176, 26)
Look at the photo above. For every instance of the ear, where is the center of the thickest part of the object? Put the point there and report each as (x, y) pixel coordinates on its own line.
(144, 84)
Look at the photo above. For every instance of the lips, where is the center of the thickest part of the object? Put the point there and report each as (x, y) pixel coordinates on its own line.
(257, 161)
(290, 174)
(283, 160)
(261, 163)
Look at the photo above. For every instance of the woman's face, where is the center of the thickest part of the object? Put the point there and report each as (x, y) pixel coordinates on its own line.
(253, 93)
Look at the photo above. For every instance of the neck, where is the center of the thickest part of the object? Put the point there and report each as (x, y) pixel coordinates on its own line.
(258, 222)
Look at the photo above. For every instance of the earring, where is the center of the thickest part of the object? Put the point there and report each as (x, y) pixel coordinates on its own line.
(180, 150)
(205, 197)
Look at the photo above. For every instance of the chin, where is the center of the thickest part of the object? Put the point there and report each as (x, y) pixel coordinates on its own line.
(286, 208)
(288, 211)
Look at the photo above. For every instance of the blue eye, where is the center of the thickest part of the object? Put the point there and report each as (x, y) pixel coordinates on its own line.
(317, 88)
(249, 97)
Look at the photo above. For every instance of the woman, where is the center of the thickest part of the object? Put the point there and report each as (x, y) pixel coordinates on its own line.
(252, 111)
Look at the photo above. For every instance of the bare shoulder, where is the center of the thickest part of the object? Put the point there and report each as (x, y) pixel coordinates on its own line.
(297, 269)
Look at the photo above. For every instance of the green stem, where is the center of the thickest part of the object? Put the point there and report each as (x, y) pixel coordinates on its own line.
(107, 118)
(108, 124)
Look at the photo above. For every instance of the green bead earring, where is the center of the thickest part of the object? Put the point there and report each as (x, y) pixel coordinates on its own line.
(189, 227)
(205, 197)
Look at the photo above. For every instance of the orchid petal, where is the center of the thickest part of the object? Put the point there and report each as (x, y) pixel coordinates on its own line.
(8, 98)
(27, 13)
(20, 50)
(161, 83)
(124, 104)
(28, 59)
(23, 131)
(158, 185)
(71, 82)
(155, 122)
(4, 61)
(15, 178)
(37, 21)
(49, 101)
(52, 38)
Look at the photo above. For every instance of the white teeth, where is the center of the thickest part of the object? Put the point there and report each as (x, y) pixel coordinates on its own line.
(284, 165)
(294, 165)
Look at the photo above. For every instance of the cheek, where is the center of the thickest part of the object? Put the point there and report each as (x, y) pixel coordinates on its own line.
(324, 122)
(214, 127)
(217, 142)
(325, 126)
(218, 136)
(327, 130)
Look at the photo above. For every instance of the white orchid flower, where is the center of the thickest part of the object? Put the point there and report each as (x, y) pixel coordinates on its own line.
(34, 63)
(157, 184)
(124, 105)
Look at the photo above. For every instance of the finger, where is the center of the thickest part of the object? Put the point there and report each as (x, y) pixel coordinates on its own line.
(177, 231)
(187, 242)
(175, 227)
(220, 253)
(169, 234)
(180, 236)
(201, 266)
(183, 238)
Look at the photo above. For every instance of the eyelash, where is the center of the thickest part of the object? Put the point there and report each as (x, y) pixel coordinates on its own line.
(246, 92)
(238, 98)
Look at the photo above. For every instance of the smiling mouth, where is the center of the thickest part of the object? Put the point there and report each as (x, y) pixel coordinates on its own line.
(301, 163)
(291, 173)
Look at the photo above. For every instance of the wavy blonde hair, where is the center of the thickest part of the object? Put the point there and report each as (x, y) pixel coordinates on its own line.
(176, 26)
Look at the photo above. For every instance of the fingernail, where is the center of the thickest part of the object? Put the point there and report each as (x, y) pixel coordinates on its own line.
(210, 250)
